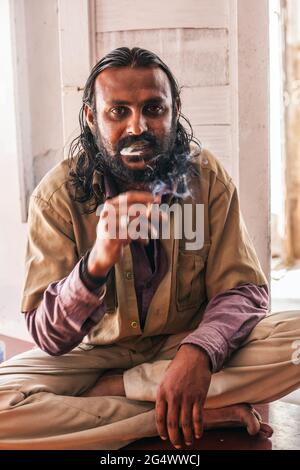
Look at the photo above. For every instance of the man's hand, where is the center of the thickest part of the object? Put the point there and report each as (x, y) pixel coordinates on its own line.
(181, 395)
(109, 244)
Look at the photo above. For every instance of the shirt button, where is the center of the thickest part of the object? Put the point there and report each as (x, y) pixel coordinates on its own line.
(134, 324)
(129, 275)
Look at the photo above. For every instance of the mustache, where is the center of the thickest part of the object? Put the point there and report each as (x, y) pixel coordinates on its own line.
(131, 140)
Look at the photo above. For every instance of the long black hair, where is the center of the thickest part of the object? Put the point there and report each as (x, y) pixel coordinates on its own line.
(83, 149)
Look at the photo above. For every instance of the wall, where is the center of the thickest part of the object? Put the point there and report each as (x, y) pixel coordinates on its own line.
(31, 138)
(37, 90)
(254, 145)
(12, 231)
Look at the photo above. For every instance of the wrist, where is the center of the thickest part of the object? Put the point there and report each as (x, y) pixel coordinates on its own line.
(94, 267)
(93, 283)
(197, 351)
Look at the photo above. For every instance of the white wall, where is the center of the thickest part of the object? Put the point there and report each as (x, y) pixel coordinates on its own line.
(31, 138)
(254, 144)
(42, 37)
(276, 130)
(12, 231)
(35, 38)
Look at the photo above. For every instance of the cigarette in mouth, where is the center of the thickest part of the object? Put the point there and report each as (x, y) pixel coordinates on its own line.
(131, 151)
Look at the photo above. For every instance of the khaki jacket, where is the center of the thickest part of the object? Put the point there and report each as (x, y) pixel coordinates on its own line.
(60, 234)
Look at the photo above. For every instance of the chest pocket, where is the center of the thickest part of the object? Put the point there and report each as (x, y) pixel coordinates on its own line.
(190, 279)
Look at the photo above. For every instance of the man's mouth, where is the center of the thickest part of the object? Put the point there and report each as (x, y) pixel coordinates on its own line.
(139, 149)
(138, 156)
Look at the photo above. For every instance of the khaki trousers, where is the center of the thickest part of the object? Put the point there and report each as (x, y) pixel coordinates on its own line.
(41, 406)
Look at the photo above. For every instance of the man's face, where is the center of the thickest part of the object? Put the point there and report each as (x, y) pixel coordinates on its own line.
(134, 120)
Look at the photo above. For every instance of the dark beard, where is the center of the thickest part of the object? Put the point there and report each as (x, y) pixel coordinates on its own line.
(168, 173)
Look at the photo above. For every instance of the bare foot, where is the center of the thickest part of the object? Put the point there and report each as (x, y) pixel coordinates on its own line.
(242, 415)
(109, 384)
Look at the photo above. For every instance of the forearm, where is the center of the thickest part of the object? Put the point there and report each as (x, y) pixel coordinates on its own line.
(66, 314)
(229, 318)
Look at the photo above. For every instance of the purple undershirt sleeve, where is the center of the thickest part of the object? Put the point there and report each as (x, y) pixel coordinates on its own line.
(66, 314)
(228, 319)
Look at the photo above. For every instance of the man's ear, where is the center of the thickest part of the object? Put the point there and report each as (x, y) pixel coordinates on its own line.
(90, 118)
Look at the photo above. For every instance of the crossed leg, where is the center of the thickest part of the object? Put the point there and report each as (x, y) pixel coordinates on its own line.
(42, 406)
(262, 370)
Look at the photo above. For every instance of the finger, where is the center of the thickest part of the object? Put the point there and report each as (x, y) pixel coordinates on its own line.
(198, 419)
(139, 214)
(187, 423)
(129, 203)
(173, 423)
(161, 418)
(132, 227)
(150, 212)
(157, 199)
(252, 423)
(257, 414)
(133, 197)
(265, 429)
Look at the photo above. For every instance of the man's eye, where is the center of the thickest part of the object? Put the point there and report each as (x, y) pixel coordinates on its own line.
(118, 112)
(154, 109)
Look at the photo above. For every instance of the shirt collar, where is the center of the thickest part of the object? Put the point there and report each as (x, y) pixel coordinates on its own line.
(104, 184)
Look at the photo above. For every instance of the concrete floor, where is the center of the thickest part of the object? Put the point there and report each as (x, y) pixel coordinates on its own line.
(285, 289)
(285, 292)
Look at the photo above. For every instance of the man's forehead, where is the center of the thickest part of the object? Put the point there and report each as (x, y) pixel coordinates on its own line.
(118, 82)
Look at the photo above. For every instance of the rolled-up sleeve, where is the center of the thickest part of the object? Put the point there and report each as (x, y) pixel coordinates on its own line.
(66, 314)
(228, 319)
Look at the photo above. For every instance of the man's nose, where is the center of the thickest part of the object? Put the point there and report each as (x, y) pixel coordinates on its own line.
(137, 124)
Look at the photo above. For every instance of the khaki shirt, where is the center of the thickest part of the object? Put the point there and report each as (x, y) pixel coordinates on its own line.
(60, 233)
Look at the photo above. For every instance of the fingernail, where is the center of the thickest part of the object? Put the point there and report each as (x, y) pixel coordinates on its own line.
(197, 436)
(188, 443)
(164, 438)
(177, 447)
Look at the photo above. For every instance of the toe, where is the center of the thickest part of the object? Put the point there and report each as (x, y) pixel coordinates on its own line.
(253, 425)
(250, 420)
(266, 430)
(257, 414)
